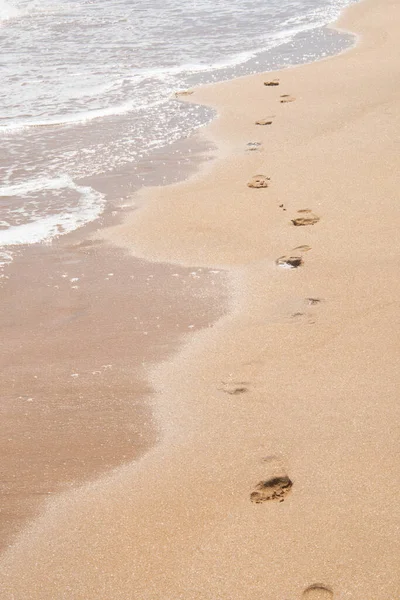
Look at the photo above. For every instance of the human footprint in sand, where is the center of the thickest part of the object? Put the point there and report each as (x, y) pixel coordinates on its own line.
(259, 181)
(306, 217)
(287, 98)
(317, 591)
(275, 489)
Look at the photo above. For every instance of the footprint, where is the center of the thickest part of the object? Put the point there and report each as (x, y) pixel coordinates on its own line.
(289, 262)
(287, 98)
(275, 484)
(234, 388)
(267, 121)
(273, 82)
(259, 181)
(275, 489)
(303, 248)
(252, 146)
(313, 301)
(317, 591)
(307, 218)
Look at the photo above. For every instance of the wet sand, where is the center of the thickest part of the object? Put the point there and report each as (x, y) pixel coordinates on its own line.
(80, 325)
(277, 473)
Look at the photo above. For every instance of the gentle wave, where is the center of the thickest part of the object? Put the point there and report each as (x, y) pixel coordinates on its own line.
(82, 118)
(112, 106)
(172, 74)
(88, 208)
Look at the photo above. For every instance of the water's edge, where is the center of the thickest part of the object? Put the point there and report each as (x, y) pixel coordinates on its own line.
(101, 194)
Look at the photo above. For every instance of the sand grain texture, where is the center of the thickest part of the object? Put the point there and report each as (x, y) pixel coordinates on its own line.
(321, 401)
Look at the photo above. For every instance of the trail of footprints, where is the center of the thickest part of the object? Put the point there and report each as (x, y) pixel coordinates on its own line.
(304, 216)
(277, 485)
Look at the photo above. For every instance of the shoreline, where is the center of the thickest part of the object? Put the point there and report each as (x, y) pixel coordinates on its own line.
(296, 382)
(81, 325)
(22, 496)
(125, 183)
(212, 133)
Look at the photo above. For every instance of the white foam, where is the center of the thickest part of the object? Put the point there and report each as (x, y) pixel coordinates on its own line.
(8, 11)
(43, 229)
(5, 259)
(82, 117)
(170, 78)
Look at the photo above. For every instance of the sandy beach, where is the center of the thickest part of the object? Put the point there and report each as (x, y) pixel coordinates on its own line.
(275, 474)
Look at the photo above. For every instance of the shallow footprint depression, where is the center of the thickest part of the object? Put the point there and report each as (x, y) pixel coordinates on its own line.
(317, 591)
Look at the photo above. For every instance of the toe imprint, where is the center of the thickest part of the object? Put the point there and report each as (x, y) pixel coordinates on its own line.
(317, 591)
(258, 181)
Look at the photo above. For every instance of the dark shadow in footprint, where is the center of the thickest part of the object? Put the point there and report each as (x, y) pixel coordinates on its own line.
(287, 98)
(259, 181)
(313, 301)
(275, 489)
(267, 121)
(317, 591)
(307, 218)
(273, 82)
(289, 262)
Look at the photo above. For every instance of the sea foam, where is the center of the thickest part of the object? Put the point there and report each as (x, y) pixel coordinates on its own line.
(46, 226)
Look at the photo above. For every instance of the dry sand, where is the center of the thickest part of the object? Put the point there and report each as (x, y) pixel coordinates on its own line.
(296, 385)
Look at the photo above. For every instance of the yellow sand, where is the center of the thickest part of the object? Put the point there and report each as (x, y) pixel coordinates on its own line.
(317, 399)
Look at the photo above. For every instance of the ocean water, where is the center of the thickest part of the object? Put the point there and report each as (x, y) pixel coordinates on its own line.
(87, 87)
